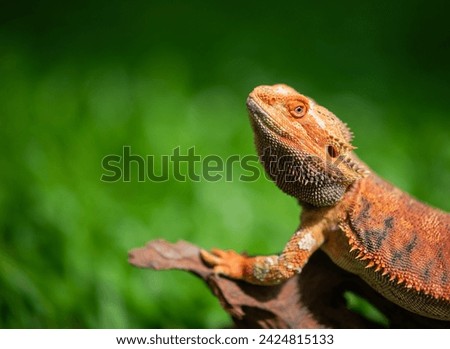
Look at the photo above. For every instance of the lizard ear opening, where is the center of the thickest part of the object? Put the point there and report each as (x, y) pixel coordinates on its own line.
(332, 151)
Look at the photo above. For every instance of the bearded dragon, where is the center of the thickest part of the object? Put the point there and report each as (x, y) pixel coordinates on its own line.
(399, 246)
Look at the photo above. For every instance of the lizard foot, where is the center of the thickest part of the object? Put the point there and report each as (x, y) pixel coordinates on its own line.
(228, 263)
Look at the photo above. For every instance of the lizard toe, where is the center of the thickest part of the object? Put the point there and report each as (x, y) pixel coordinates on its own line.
(224, 262)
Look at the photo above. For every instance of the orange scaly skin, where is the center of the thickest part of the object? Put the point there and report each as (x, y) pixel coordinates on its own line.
(398, 245)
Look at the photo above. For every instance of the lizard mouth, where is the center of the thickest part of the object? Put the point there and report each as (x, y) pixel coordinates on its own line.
(263, 120)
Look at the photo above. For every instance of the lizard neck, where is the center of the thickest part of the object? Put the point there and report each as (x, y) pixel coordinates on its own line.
(309, 179)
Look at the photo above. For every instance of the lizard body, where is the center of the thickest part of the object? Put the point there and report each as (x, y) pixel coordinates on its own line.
(399, 246)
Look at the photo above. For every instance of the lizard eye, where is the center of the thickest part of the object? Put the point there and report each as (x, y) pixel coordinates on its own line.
(298, 111)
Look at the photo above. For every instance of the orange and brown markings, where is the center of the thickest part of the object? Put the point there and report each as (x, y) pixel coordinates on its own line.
(311, 158)
(401, 238)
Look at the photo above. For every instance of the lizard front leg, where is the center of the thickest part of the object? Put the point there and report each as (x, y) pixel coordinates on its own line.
(268, 270)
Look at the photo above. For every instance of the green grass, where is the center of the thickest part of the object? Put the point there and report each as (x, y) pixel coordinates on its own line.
(366, 309)
(79, 82)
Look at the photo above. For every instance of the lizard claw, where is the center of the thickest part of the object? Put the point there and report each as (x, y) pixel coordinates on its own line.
(225, 262)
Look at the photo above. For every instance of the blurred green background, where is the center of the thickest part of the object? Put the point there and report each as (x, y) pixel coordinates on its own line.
(80, 80)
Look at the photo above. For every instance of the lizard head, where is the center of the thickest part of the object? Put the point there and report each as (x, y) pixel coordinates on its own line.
(304, 147)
